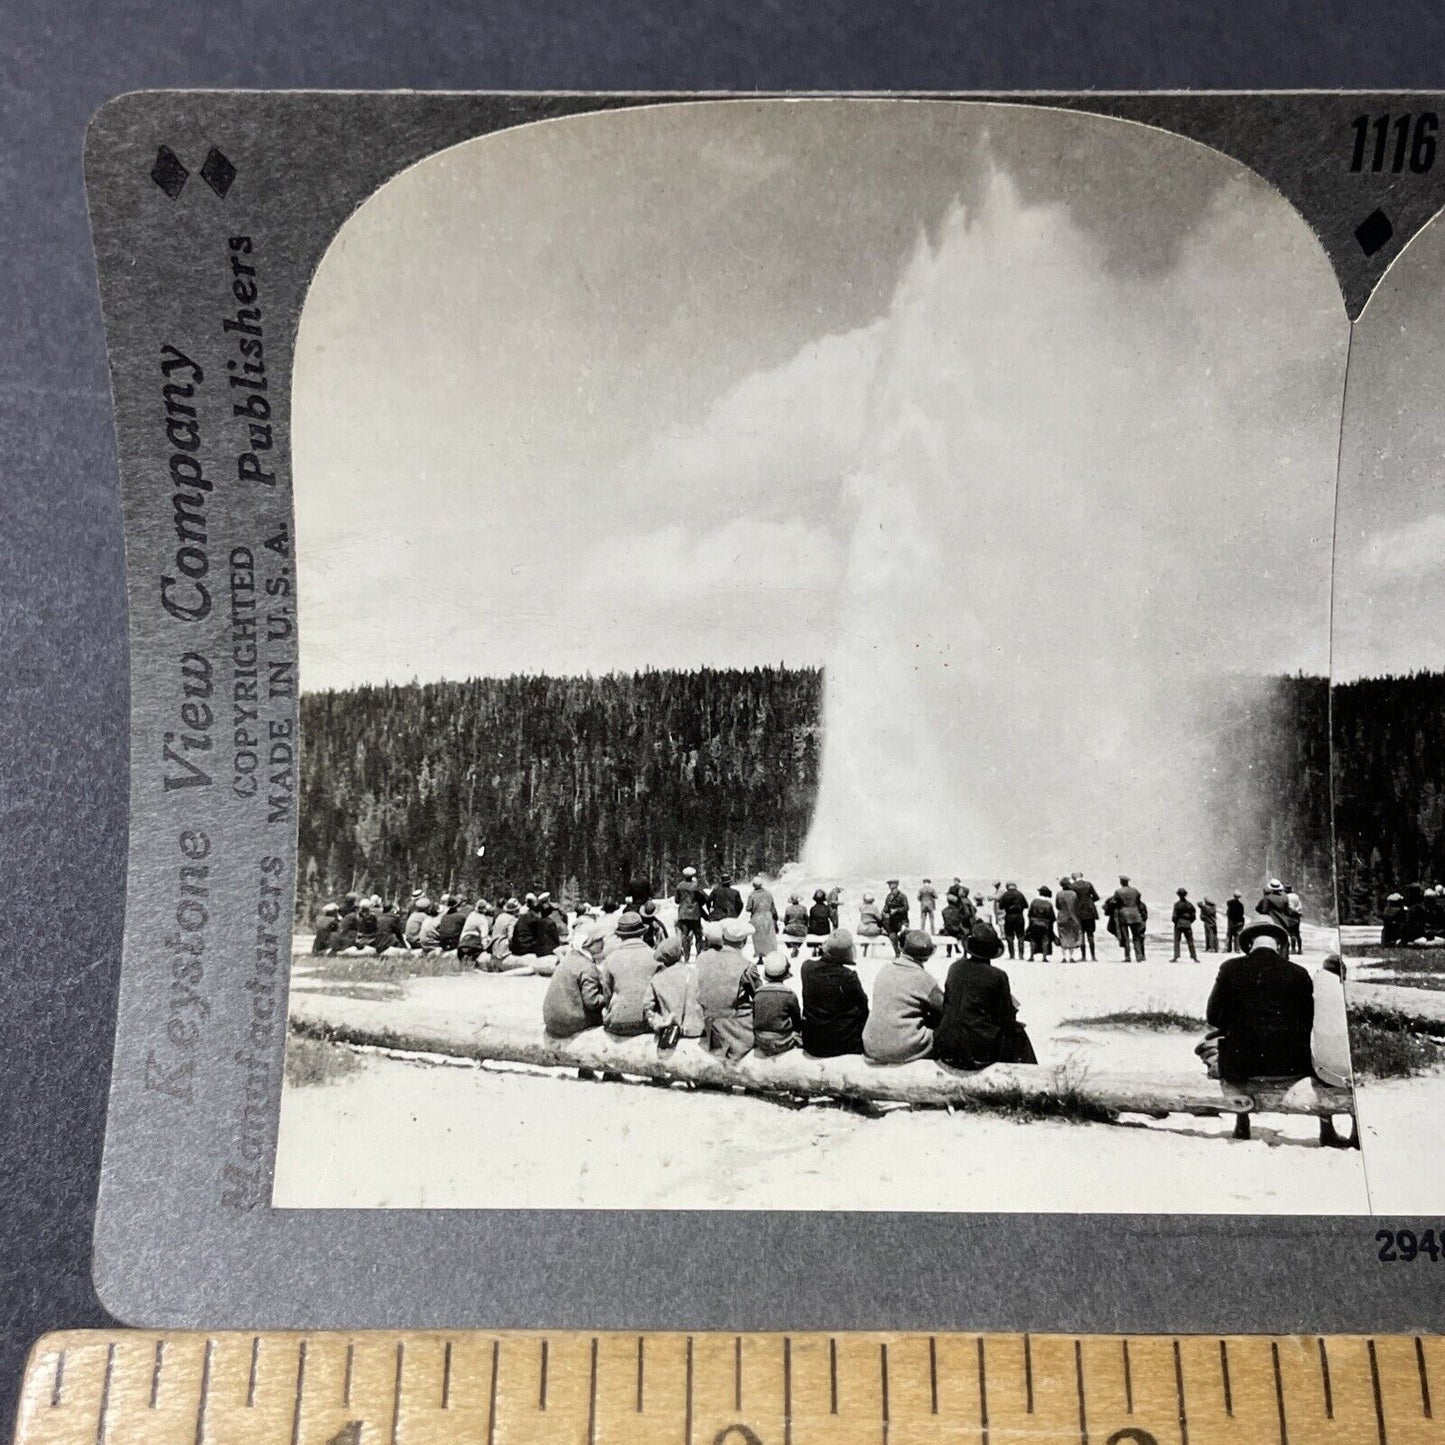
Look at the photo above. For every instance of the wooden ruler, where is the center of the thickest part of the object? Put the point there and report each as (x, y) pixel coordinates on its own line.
(135, 1388)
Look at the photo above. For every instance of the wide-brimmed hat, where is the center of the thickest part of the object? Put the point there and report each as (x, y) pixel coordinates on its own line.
(689, 872)
(983, 941)
(734, 930)
(775, 965)
(917, 944)
(838, 946)
(893, 883)
(630, 925)
(1251, 931)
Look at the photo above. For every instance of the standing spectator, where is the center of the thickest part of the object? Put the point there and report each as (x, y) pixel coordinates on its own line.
(1088, 909)
(957, 917)
(626, 975)
(927, 907)
(725, 900)
(726, 982)
(1012, 906)
(1275, 905)
(1209, 917)
(691, 908)
(820, 916)
(1066, 906)
(1183, 920)
(654, 930)
(777, 1015)
(1130, 914)
(895, 915)
(1041, 924)
(835, 904)
(673, 1003)
(1296, 916)
(907, 1005)
(995, 905)
(575, 996)
(835, 1005)
(1392, 920)
(979, 1017)
(763, 915)
(1233, 920)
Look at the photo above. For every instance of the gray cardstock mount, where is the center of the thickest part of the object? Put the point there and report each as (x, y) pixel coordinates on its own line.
(184, 1234)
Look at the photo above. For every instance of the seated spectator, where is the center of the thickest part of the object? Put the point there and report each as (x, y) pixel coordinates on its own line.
(450, 925)
(575, 996)
(978, 1008)
(428, 938)
(870, 918)
(726, 982)
(473, 942)
(345, 935)
(534, 934)
(835, 1004)
(626, 974)
(820, 916)
(1392, 920)
(326, 927)
(777, 1014)
(673, 1006)
(907, 1005)
(390, 932)
(500, 942)
(795, 918)
(561, 924)
(1262, 1008)
(420, 911)
(366, 912)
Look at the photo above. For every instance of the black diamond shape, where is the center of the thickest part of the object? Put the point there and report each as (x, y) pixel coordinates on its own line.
(218, 172)
(1373, 232)
(168, 172)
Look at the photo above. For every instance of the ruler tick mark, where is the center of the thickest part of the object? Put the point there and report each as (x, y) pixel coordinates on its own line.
(640, 1343)
(156, 1374)
(205, 1399)
(932, 1375)
(787, 1390)
(101, 1419)
(542, 1386)
(1128, 1381)
(1179, 1392)
(59, 1383)
(737, 1372)
(492, 1397)
(1379, 1399)
(982, 1392)
(883, 1376)
(1079, 1385)
(687, 1416)
(1224, 1378)
(1279, 1393)
(300, 1387)
(832, 1376)
(396, 1391)
(251, 1378)
(1028, 1375)
(350, 1366)
(592, 1396)
(447, 1377)
(1424, 1378)
(1325, 1381)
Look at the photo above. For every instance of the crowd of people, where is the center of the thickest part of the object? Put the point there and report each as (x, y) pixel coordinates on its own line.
(1415, 916)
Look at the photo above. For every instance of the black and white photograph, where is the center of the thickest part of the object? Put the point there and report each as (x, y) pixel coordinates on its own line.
(816, 650)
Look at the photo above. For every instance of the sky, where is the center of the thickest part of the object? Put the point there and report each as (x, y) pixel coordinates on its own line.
(639, 389)
(1389, 607)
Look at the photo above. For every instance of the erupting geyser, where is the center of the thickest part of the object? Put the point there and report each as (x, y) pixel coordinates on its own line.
(1089, 489)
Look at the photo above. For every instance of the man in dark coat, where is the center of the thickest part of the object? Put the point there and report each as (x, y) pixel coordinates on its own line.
(1127, 908)
(1183, 920)
(725, 900)
(835, 1003)
(326, 927)
(957, 916)
(1012, 905)
(895, 915)
(691, 903)
(1087, 909)
(534, 935)
(978, 1008)
(1263, 1006)
(390, 932)
(450, 925)
(1234, 921)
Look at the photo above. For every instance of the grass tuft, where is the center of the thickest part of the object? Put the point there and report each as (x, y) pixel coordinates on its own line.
(1387, 1044)
(1158, 1019)
(371, 968)
(312, 1061)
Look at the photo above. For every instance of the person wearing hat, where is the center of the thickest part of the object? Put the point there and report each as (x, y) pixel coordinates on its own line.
(835, 903)
(777, 1014)
(1088, 911)
(1041, 924)
(420, 912)
(1066, 920)
(895, 915)
(795, 922)
(626, 975)
(979, 1015)
(1262, 1008)
(326, 927)
(691, 903)
(725, 901)
(870, 918)
(1183, 920)
(835, 1003)
(958, 914)
(928, 907)
(1274, 904)
(1392, 920)
(1233, 920)
(575, 997)
(365, 923)
(820, 916)
(763, 915)
(556, 915)
(1209, 917)
(450, 925)
(500, 942)
(390, 931)
(726, 982)
(672, 1002)
(654, 930)
(1012, 907)
(1128, 913)
(473, 942)
(907, 1005)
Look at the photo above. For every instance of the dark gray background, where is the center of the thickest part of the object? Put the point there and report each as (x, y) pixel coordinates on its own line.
(62, 625)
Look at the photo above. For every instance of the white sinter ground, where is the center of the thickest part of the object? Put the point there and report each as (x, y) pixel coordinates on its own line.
(423, 1133)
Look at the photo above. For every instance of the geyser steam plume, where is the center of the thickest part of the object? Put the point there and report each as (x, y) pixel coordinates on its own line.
(1088, 492)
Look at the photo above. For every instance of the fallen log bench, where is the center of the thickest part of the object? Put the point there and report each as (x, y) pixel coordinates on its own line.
(1063, 1089)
